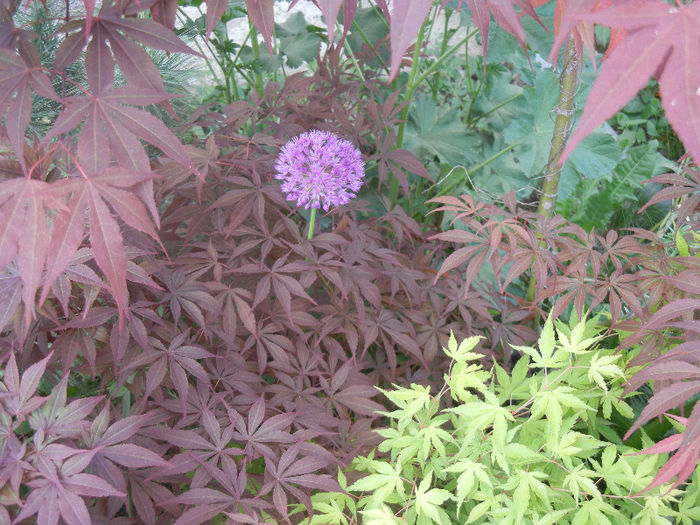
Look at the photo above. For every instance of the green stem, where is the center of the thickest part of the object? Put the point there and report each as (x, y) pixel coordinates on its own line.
(442, 58)
(312, 223)
(467, 70)
(476, 168)
(393, 181)
(564, 111)
(496, 108)
(256, 55)
(351, 55)
(369, 44)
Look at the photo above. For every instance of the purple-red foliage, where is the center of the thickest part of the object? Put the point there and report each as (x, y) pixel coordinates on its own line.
(234, 361)
(651, 290)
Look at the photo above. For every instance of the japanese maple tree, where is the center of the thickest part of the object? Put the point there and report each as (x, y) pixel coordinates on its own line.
(175, 348)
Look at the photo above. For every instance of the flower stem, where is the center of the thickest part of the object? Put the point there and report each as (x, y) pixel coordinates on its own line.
(312, 223)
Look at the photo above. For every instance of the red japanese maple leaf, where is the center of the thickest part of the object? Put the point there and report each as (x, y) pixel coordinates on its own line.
(663, 42)
(91, 197)
(16, 77)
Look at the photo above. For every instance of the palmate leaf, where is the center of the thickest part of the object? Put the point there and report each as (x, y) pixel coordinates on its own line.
(91, 198)
(17, 393)
(57, 490)
(136, 66)
(666, 399)
(16, 77)
(110, 120)
(106, 113)
(291, 470)
(23, 234)
(440, 132)
(662, 41)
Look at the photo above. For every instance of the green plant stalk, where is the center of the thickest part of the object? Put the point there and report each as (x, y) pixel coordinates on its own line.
(256, 55)
(476, 168)
(443, 48)
(393, 181)
(564, 111)
(413, 83)
(350, 54)
(467, 70)
(180, 14)
(496, 108)
(473, 93)
(369, 44)
(442, 58)
(312, 224)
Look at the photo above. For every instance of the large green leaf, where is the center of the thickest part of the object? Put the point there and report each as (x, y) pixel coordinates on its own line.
(439, 132)
(297, 43)
(533, 132)
(595, 158)
(593, 202)
(640, 163)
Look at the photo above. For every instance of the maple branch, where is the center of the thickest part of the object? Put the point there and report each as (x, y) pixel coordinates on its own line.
(564, 110)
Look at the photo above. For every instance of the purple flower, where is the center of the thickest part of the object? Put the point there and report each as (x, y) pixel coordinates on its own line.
(318, 168)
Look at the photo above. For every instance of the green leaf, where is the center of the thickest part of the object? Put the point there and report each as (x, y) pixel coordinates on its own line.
(595, 157)
(297, 43)
(533, 132)
(552, 517)
(428, 501)
(464, 377)
(546, 341)
(478, 511)
(602, 367)
(438, 131)
(466, 482)
(564, 448)
(682, 245)
(431, 435)
(640, 163)
(580, 478)
(569, 397)
(380, 516)
(518, 454)
(521, 499)
(463, 352)
(547, 356)
(386, 480)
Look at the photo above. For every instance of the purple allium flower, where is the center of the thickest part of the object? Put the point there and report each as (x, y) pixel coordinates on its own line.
(317, 168)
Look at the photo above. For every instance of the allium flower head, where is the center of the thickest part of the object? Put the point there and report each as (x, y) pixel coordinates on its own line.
(317, 168)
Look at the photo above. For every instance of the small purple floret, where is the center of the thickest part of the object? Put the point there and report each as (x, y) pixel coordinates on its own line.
(317, 168)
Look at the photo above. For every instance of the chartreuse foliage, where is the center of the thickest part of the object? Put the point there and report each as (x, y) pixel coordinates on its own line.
(537, 445)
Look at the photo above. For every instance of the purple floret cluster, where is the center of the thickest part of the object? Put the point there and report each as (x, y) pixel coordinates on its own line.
(319, 169)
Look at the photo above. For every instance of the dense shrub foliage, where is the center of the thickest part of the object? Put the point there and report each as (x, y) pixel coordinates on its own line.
(175, 347)
(539, 445)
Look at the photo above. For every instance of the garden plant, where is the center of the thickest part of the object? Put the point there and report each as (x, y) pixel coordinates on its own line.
(258, 301)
